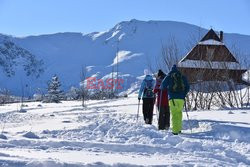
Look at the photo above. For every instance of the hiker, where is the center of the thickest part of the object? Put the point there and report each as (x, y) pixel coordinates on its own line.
(178, 87)
(148, 97)
(162, 103)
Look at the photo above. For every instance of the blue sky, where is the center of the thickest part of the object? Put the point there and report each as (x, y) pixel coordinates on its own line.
(33, 17)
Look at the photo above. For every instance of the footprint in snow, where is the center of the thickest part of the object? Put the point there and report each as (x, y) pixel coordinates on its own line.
(2, 136)
(31, 135)
(22, 111)
(66, 121)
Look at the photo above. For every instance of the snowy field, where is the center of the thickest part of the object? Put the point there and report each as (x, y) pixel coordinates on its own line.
(106, 133)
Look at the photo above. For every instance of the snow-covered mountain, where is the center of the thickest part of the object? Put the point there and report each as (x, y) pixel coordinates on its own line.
(15, 60)
(138, 44)
(11, 57)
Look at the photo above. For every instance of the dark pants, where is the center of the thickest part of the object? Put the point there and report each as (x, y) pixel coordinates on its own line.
(164, 117)
(147, 109)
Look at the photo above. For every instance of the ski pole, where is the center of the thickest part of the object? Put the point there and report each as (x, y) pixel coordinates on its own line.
(187, 116)
(138, 111)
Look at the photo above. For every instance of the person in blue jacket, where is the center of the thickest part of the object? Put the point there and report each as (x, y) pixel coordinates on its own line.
(178, 87)
(148, 97)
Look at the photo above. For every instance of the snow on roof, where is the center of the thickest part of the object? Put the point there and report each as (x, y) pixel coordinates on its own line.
(211, 65)
(246, 76)
(211, 42)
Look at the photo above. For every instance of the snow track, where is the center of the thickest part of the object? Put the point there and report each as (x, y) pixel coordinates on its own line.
(105, 133)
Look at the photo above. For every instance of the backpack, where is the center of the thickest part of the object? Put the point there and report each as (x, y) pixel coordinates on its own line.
(177, 83)
(148, 90)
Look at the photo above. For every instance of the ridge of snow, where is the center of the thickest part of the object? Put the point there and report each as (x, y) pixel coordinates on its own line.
(96, 35)
(113, 34)
(210, 64)
(124, 55)
(210, 42)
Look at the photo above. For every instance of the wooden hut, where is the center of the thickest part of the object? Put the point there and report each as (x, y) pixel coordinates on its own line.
(211, 60)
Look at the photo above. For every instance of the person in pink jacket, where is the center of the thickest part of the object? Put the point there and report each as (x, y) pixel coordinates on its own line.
(162, 102)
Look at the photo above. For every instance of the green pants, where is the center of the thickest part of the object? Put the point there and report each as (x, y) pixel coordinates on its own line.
(176, 106)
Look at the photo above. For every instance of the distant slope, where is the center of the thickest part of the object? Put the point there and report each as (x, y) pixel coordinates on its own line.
(15, 60)
(139, 43)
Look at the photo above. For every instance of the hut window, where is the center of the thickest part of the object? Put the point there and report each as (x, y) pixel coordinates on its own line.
(199, 75)
(210, 53)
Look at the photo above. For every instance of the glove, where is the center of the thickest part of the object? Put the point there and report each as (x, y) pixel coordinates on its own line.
(139, 98)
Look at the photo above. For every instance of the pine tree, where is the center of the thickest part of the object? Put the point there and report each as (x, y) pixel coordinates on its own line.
(54, 92)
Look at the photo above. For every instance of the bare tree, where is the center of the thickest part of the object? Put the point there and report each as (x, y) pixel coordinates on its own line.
(224, 89)
(83, 90)
(170, 54)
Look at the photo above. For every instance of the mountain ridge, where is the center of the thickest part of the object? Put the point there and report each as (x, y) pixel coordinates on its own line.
(66, 53)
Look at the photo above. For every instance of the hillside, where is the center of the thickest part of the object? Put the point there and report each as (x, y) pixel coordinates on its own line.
(139, 43)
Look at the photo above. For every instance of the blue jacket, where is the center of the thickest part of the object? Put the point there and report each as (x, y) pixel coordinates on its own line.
(167, 83)
(143, 85)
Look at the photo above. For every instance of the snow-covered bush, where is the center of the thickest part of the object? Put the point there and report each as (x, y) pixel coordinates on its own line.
(73, 94)
(101, 94)
(5, 96)
(37, 97)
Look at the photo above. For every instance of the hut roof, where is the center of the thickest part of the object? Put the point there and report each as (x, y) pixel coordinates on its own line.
(210, 49)
(211, 35)
(211, 60)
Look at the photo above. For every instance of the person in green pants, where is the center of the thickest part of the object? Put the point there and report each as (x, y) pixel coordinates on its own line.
(178, 87)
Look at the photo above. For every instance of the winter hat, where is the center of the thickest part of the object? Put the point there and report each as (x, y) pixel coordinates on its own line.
(160, 73)
(146, 72)
(174, 68)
